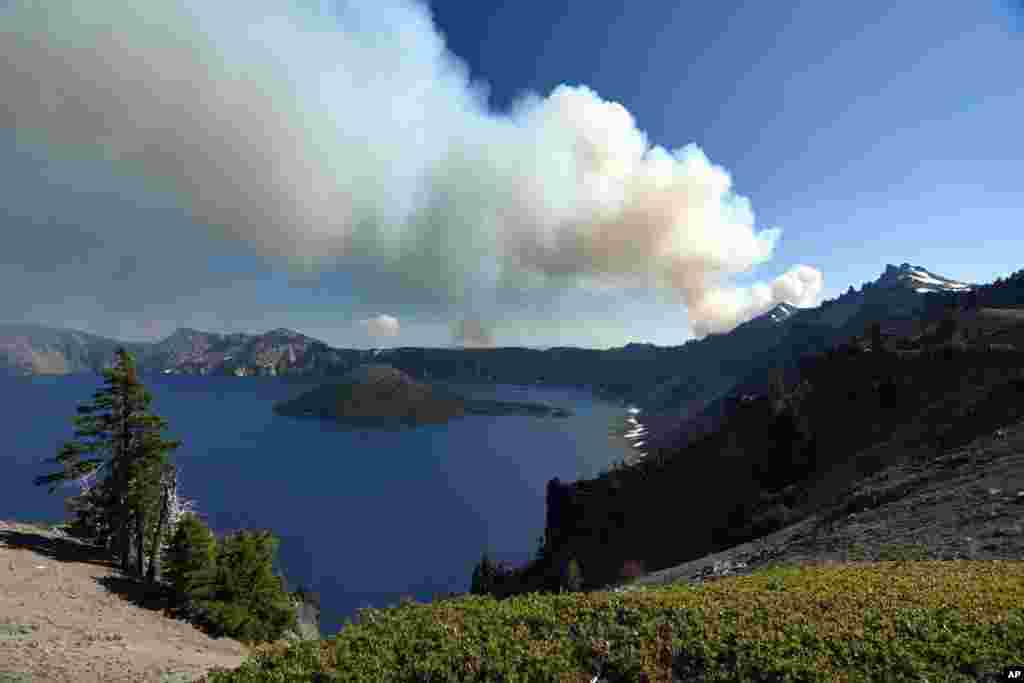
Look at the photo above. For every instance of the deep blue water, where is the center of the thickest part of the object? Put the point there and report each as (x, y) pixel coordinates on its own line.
(363, 517)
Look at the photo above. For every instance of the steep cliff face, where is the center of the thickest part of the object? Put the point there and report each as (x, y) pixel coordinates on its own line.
(38, 350)
(307, 616)
(35, 349)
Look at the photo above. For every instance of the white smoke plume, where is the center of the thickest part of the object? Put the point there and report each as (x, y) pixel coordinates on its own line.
(472, 334)
(716, 309)
(356, 137)
(382, 325)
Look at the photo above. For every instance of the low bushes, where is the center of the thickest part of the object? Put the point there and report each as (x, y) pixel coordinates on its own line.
(843, 622)
(228, 586)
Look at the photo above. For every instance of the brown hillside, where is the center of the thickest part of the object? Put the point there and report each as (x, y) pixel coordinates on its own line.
(68, 616)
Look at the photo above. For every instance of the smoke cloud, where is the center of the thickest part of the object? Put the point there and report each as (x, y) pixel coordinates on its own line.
(472, 334)
(382, 326)
(356, 138)
(716, 310)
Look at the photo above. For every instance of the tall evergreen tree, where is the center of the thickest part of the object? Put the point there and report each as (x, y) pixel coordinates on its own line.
(876, 337)
(482, 582)
(117, 432)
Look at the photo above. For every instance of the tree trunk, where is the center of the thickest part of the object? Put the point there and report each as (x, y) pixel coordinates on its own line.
(168, 483)
(140, 541)
(127, 566)
(124, 542)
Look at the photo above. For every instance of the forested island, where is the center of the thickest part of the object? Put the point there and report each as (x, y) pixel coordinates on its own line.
(383, 396)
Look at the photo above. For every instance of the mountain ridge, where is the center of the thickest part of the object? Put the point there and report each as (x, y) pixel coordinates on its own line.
(675, 381)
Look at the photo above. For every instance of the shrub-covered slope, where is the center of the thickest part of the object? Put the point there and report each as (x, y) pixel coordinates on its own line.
(863, 523)
(847, 622)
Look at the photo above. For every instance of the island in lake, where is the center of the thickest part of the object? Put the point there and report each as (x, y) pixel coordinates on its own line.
(384, 396)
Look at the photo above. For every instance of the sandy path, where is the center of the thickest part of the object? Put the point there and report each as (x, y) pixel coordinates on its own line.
(67, 615)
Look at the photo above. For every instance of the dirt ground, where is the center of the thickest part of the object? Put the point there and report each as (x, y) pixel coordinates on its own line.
(67, 615)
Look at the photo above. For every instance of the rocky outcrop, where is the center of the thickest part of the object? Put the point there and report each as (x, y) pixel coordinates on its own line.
(39, 350)
(307, 618)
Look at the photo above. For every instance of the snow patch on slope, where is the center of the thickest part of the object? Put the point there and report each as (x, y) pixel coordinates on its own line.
(920, 280)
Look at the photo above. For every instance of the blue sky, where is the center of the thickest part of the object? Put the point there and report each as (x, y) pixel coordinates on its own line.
(371, 174)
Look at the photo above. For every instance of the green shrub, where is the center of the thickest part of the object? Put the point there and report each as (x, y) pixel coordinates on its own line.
(190, 558)
(228, 587)
(903, 552)
(866, 622)
(857, 551)
(242, 597)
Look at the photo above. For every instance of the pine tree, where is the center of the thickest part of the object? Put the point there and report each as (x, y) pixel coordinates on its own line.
(876, 337)
(190, 560)
(777, 387)
(117, 432)
(947, 329)
(483, 577)
(245, 599)
(543, 550)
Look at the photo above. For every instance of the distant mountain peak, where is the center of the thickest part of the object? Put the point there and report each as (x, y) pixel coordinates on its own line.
(775, 315)
(186, 332)
(781, 311)
(921, 280)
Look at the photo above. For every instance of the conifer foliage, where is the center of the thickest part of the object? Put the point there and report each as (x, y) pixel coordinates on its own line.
(482, 582)
(134, 510)
(228, 586)
(190, 558)
(240, 595)
(116, 432)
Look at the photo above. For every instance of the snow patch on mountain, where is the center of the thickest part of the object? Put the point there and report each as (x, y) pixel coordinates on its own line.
(777, 314)
(920, 280)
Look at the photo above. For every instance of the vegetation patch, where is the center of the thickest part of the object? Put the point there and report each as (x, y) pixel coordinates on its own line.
(16, 631)
(895, 620)
(14, 677)
(172, 677)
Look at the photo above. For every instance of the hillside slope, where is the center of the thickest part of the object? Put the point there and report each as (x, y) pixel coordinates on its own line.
(967, 503)
(777, 458)
(68, 616)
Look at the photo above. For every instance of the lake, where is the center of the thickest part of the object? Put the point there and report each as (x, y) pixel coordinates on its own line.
(364, 517)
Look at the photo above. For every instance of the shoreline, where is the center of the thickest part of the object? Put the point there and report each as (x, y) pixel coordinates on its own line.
(641, 435)
(630, 434)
